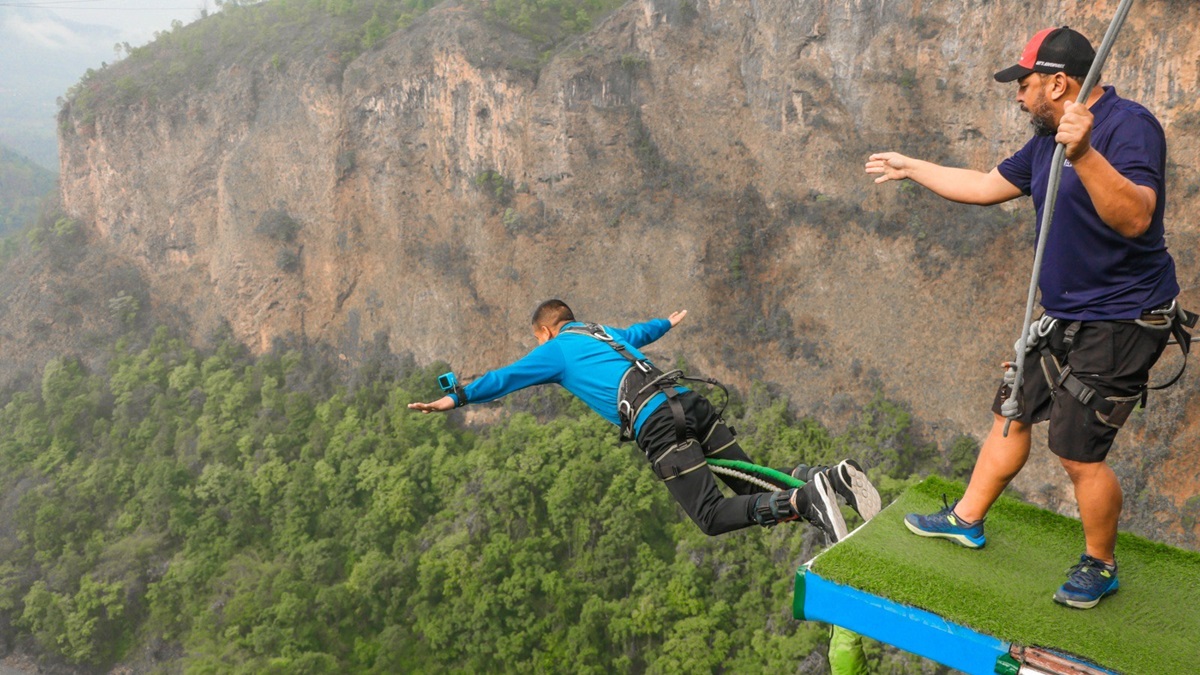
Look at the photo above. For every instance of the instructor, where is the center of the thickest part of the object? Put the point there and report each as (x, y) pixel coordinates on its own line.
(1107, 286)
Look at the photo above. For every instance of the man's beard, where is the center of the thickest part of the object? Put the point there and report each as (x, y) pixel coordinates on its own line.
(1042, 119)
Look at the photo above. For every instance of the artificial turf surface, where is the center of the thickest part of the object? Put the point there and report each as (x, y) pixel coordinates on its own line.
(1150, 627)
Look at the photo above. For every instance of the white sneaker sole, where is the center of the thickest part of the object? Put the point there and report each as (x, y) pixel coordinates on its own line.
(830, 507)
(1082, 604)
(866, 497)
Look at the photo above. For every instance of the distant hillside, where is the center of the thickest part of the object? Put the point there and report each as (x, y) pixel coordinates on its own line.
(354, 177)
(23, 185)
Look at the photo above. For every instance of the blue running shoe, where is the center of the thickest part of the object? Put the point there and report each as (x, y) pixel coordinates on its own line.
(948, 526)
(1087, 583)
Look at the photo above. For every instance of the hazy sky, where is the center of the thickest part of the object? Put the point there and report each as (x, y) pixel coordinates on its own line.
(135, 19)
(47, 45)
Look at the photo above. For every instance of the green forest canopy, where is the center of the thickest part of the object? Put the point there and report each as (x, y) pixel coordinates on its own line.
(272, 515)
(23, 186)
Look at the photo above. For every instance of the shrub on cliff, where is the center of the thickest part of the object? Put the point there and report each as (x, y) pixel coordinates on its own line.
(278, 225)
(547, 22)
(327, 34)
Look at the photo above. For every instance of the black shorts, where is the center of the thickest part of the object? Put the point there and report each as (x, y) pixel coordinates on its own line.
(1112, 357)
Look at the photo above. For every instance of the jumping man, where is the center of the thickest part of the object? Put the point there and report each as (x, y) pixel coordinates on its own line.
(676, 428)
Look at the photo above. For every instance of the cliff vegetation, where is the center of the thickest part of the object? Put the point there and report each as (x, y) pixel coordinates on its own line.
(24, 186)
(209, 511)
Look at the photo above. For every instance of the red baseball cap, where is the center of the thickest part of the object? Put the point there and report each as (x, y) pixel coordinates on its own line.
(1052, 50)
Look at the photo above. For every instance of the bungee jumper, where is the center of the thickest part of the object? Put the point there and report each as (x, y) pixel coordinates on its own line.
(677, 428)
(1108, 290)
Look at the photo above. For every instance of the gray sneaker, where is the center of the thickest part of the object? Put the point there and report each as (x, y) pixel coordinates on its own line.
(822, 509)
(848, 480)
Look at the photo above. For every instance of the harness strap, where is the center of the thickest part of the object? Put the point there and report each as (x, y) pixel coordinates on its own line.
(1082, 393)
(1061, 377)
(629, 410)
(1112, 411)
(1181, 321)
(772, 508)
(676, 413)
(1116, 410)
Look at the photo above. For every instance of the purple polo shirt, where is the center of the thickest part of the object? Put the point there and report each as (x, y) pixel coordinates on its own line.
(1090, 272)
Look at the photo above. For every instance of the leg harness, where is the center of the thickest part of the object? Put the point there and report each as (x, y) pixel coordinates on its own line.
(1112, 410)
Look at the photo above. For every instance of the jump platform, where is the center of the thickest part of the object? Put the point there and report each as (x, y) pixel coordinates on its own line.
(989, 610)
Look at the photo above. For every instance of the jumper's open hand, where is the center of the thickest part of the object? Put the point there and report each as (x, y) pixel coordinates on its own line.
(441, 405)
(676, 317)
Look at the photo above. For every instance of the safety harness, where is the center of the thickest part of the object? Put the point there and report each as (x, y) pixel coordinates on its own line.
(641, 382)
(1112, 410)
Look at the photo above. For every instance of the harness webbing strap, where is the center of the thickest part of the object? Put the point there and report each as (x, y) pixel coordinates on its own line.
(1181, 321)
(1115, 410)
(1065, 379)
(1112, 411)
(676, 413)
(629, 410)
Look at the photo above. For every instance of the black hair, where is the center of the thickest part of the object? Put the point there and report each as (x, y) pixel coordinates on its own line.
(551, 313)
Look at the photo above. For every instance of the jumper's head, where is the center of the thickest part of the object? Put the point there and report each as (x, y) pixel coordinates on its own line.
(548, 318)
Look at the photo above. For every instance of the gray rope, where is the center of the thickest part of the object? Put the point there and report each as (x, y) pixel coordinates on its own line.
(1011, 408)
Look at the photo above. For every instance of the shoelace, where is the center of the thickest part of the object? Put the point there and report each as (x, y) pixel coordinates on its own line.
(948, 510)
(1090, 570)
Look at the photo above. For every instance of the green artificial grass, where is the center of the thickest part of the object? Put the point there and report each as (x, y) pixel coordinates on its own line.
(1150, 627)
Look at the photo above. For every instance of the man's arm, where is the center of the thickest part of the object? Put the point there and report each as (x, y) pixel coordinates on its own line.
(966, 186)
(641, 334)
(543, 365)
(1123, 205)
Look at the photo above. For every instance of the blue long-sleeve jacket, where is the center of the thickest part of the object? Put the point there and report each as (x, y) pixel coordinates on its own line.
(588, 368)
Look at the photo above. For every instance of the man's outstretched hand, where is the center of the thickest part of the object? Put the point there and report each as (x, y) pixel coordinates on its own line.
(676, 317)
(443, 404)
(889, 166)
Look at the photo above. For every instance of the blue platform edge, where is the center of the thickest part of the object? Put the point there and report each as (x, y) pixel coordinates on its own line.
(911, 629)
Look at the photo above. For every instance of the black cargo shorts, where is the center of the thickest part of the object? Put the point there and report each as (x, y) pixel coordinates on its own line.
(1112, 357)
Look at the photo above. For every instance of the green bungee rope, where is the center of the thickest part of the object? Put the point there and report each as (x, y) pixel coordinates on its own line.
(761, 476)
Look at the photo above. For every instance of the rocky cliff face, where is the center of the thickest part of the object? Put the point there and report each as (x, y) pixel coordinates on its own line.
(699, 154)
